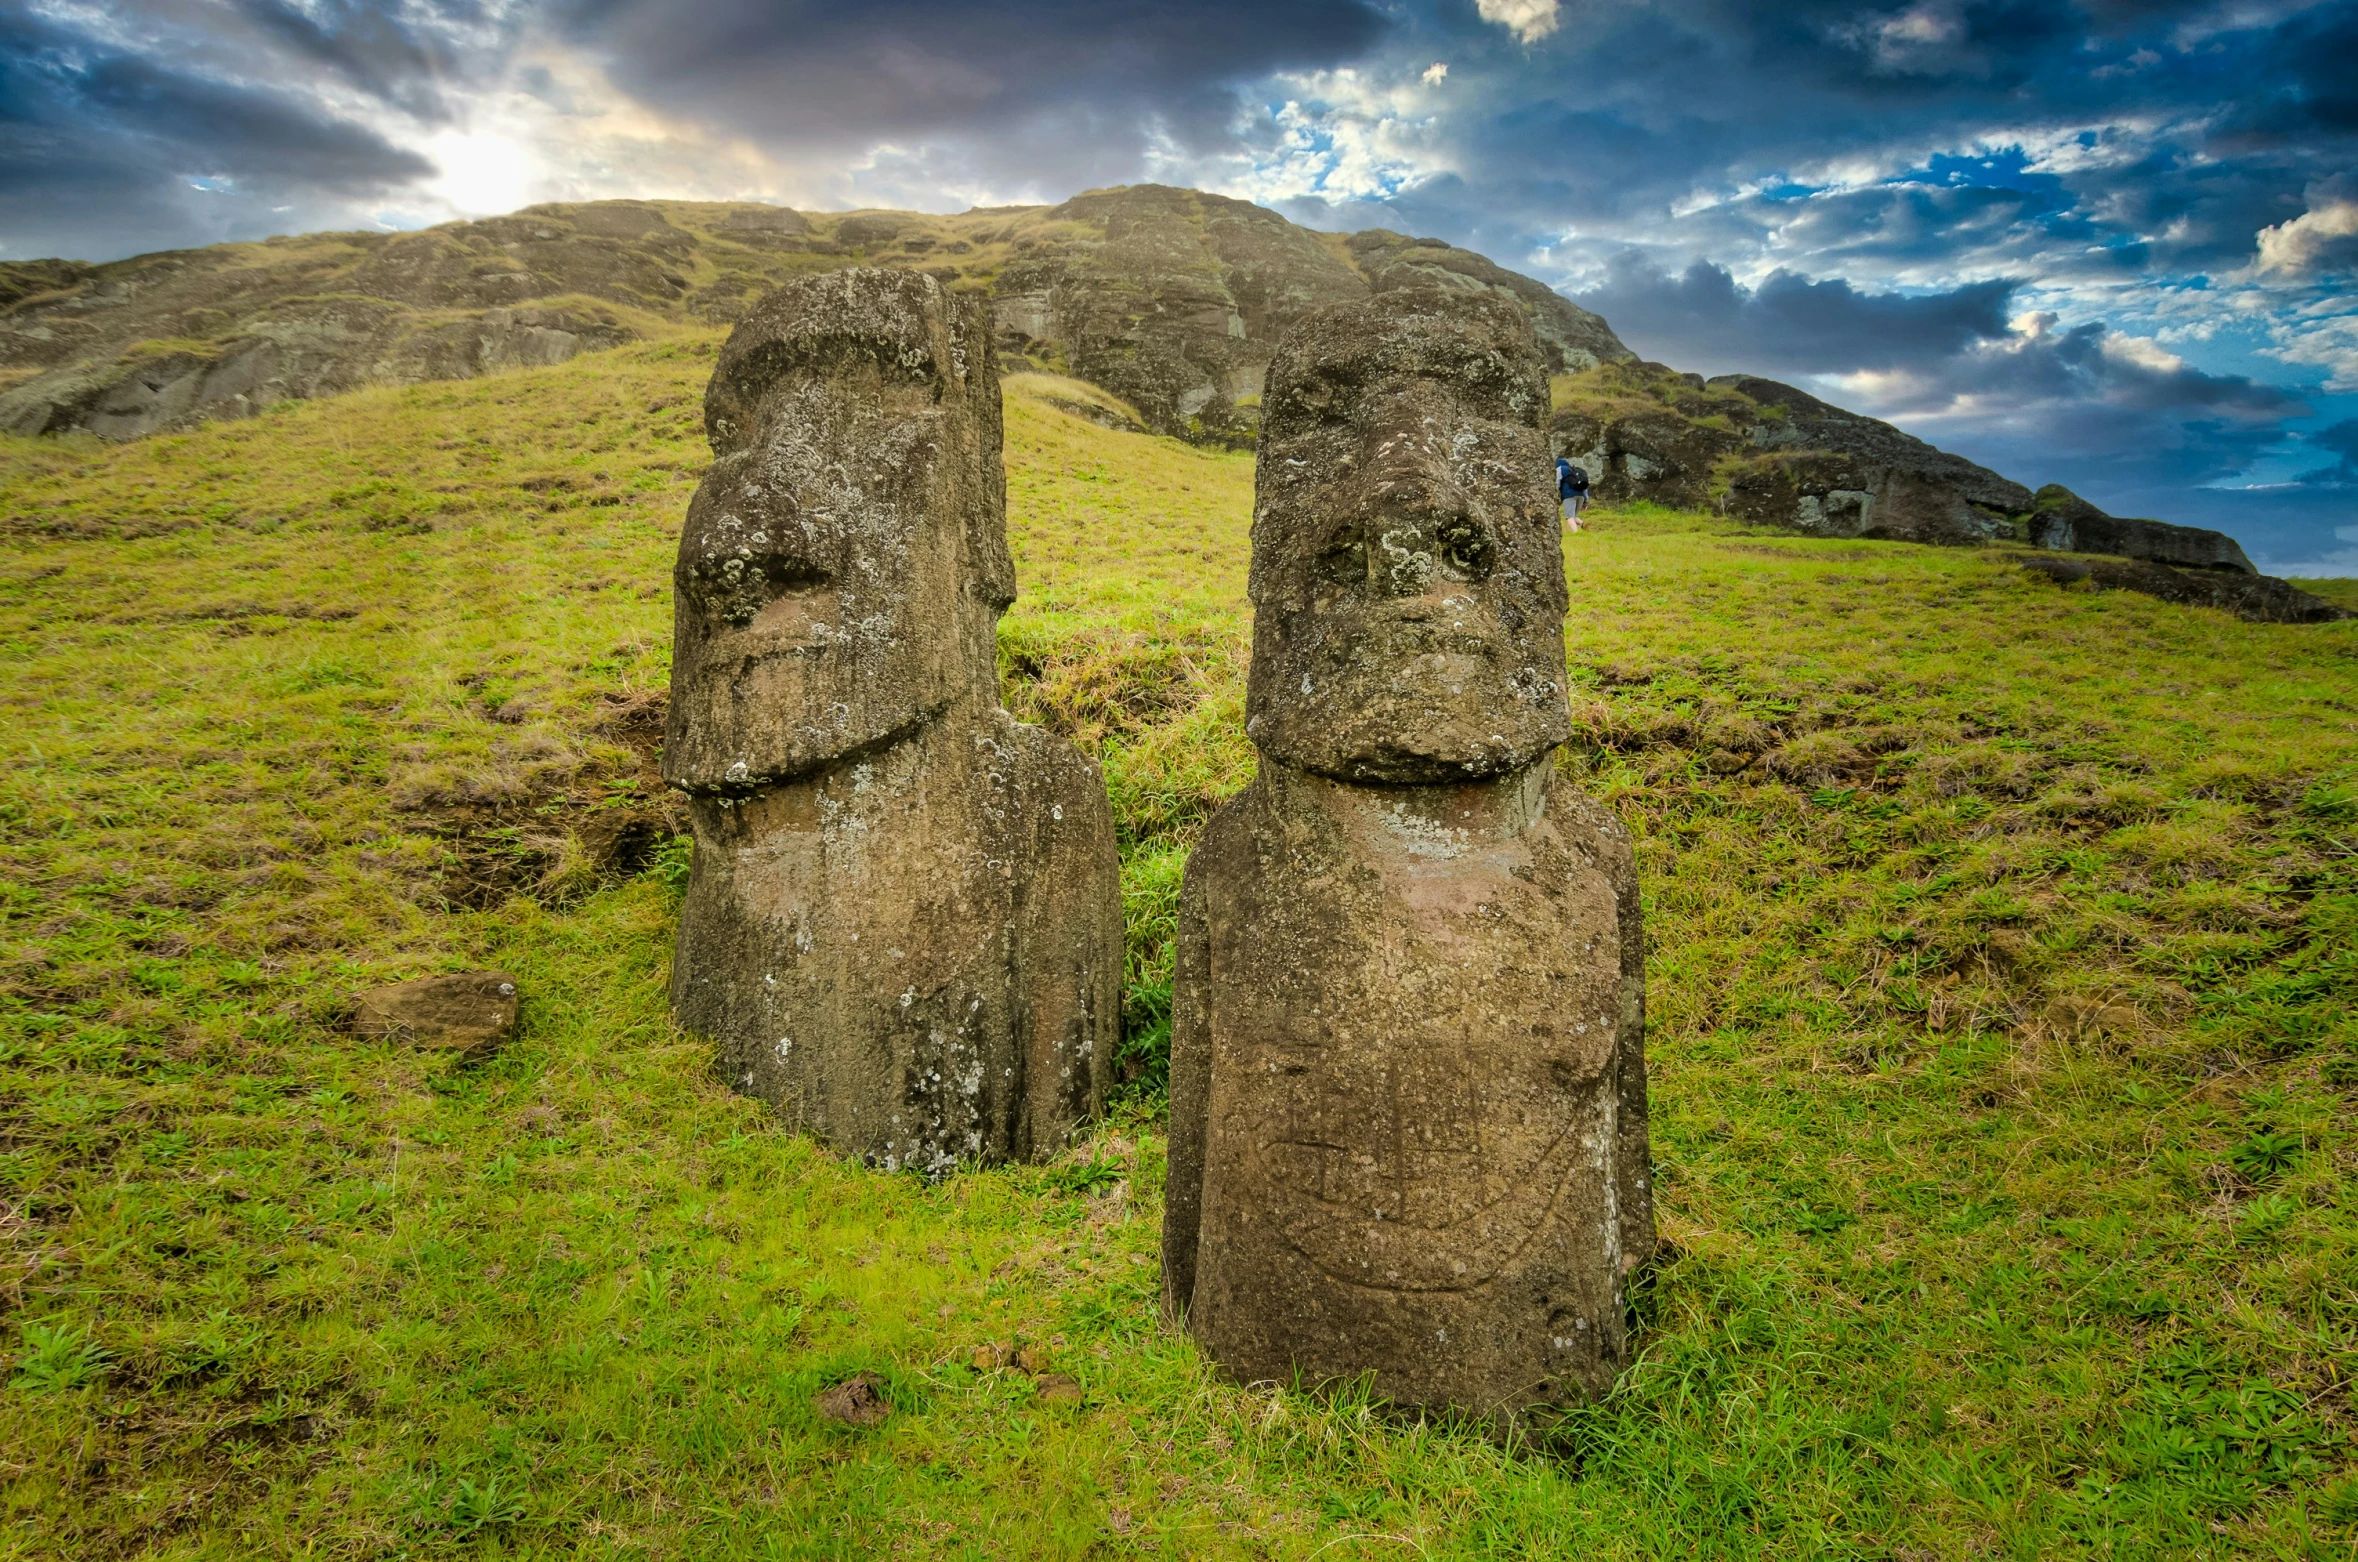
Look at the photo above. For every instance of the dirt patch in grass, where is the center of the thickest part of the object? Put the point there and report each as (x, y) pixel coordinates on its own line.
(557, 835)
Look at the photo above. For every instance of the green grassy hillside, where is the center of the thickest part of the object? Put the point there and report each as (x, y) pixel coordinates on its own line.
(2004, 1056)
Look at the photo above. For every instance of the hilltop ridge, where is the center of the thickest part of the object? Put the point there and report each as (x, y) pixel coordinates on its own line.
(1170, 299)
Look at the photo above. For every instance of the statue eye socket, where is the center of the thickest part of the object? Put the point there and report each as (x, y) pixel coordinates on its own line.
(1344, 560)
(736, 587)
(1466, 551)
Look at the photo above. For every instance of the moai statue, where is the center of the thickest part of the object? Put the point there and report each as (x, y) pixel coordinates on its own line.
(903, 924)
(1408, 1090)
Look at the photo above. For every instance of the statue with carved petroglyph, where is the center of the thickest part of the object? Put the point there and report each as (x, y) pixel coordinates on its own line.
(903, 923)
(1408, 1097)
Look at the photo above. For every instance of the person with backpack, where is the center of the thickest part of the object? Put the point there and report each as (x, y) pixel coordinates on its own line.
(1572, 490)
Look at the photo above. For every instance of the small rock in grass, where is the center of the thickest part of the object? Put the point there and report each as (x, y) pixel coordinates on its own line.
(990, 1358)
(856, 1401)
(459, 1011)
(1059, 1389)
(1031, 1359)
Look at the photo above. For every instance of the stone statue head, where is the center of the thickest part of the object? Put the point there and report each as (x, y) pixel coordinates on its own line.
(1408, 575)
(845, 559)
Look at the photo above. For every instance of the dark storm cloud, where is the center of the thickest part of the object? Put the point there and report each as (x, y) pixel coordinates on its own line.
(2089, 409)
(382, 55)
(2339, 440)
(816, 73)
(2059, 140)
(2299, 84)
(1703, 319)
(102, 149)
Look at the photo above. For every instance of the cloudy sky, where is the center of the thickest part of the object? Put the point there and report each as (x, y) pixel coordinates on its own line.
(2109, 243)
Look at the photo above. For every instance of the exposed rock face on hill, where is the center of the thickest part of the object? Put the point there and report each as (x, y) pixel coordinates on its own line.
(1168, 298)
(2062, 520)
(2262, 599)
(1777, 456)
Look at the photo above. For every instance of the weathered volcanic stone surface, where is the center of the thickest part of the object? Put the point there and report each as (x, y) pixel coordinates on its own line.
(462, 1011)
(1571, 337)
(903, 923)
(1408, 1105)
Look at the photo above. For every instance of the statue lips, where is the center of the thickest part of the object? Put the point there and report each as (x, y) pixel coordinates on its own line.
(1443, 647)
(1382, 686)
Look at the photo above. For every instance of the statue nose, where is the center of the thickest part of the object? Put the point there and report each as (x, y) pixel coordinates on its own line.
(1430, 548)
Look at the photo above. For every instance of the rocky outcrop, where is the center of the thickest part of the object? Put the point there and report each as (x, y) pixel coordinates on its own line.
(1170, 299)
(1408, 1111)
(2062, 520)
(1773, 455)
(467, 1012)
(1794, 420)
(903, 922)
(306, 349)
(2259, 599)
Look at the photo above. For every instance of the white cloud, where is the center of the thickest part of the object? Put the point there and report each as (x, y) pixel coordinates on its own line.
(1528, 20)
(2144, 354)
(1435, 73)
(2330, 344)
(2323, 238)
(1344, 136)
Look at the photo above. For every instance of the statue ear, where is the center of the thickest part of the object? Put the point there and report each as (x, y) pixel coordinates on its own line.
(990, 567)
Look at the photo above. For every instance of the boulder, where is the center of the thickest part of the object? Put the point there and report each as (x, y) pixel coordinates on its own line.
(1408, 1107)
(903, 923)
(858, 1400)
(461, 1011)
